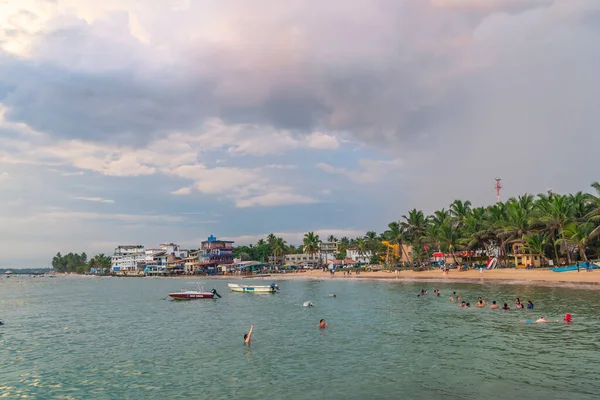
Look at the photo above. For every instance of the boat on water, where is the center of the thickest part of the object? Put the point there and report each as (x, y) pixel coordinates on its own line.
(272, 288)
(186, 294)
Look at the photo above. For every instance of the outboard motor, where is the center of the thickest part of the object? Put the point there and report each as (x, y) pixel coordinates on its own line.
(215, 293)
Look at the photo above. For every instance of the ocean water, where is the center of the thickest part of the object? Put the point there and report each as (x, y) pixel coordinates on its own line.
(117, 338)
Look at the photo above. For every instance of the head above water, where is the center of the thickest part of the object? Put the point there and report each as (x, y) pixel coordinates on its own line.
(494, 302)
(568, 318)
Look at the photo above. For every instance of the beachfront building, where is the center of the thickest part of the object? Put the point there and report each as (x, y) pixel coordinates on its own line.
(523, 258)
(393, 252)
(303, 260)
(358, 256)
(128, 258)
(173, 249)
(191, 263)
(215, 251)
(328, 250)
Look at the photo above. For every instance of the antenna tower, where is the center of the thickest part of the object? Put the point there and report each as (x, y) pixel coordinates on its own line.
(498, 187)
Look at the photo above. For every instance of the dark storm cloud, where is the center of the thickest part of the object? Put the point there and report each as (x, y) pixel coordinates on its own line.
(384, 71)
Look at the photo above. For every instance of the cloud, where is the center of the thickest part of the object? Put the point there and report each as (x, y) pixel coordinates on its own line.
(184, 191)
(95, 199)
(276, 198)
(368, 170)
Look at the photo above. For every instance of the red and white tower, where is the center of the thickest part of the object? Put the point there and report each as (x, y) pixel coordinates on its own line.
(498, 187)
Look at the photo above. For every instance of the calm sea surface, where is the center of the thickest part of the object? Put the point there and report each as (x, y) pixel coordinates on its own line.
(116, 338)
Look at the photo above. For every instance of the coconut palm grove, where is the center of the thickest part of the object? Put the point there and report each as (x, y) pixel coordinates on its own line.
(564, 228)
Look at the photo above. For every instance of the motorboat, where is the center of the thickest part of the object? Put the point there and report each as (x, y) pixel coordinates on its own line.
(201, 293)
(272, 288)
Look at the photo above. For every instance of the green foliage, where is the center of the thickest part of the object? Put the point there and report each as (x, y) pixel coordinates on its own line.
(71, 262)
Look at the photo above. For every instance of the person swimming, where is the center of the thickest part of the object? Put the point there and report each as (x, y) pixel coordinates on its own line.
(568, 318)
(494, 305)
(468, 305)
(480, 303)
(451, 299)
(248, 336)
(518, 303)
(529, 305)
(322, 324)
(463, 304)
(506, 307)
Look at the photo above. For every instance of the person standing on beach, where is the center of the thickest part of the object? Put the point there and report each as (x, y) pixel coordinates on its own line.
(577, 266)
(248, 336)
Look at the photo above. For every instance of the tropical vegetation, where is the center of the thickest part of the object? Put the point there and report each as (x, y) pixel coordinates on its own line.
(558, 227)
(562, 228)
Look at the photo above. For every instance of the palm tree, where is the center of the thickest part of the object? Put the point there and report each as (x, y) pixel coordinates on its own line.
(332, 239)
(555, 211)
(279, 248)
(414, 226)
(459, 210)
(311, 244)
(579, 235)
(594, 215)
(536, 244)
(395, 235)
(449, 238)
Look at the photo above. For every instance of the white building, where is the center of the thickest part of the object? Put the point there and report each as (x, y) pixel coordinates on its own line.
(302, 260)
(329, 251)
(359, 257)
(127, 258)
(174, 249)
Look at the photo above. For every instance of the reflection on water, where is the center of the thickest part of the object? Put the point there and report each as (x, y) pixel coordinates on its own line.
(115, 338)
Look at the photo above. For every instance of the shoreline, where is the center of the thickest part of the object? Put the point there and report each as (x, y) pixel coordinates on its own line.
(571, 279)
(539, 277)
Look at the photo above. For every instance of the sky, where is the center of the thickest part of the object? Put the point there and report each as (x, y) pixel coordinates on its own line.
(151, 121)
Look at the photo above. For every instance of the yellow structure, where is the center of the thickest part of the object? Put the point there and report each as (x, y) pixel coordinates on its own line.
(523, 259)
(393, 251)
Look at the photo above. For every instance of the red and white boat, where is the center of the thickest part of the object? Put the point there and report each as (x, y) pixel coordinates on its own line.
(187, 294)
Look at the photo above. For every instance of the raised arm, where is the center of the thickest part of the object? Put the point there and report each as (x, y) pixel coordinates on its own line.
(249, 337)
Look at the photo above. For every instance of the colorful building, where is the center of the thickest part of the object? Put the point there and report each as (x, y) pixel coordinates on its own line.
(215, 251)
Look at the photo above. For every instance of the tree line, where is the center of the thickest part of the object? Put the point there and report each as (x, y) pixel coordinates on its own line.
(558, 227)
(79, 263)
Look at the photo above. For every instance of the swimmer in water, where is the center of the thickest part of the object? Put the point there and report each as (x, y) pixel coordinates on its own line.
(468, 305)
(494, 305)
(506, 307)
(248, 336)
(322, 324)
(451, 299)
(568, 318)
(480, 303)
(529, 305)
(463, 304)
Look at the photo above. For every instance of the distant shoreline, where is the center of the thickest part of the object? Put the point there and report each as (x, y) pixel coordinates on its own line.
(542, 277)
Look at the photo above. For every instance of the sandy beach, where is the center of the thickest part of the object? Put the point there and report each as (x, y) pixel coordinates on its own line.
(541, 277)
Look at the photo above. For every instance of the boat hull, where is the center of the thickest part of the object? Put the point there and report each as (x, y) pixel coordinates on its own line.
(252, 289)
(191, 296)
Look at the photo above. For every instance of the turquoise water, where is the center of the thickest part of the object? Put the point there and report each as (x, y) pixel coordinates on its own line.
(115, 338)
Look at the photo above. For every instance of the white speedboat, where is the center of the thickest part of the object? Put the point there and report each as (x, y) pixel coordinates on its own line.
(272, 288)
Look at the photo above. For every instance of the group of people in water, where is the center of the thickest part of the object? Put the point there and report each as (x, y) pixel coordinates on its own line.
(481, 303)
